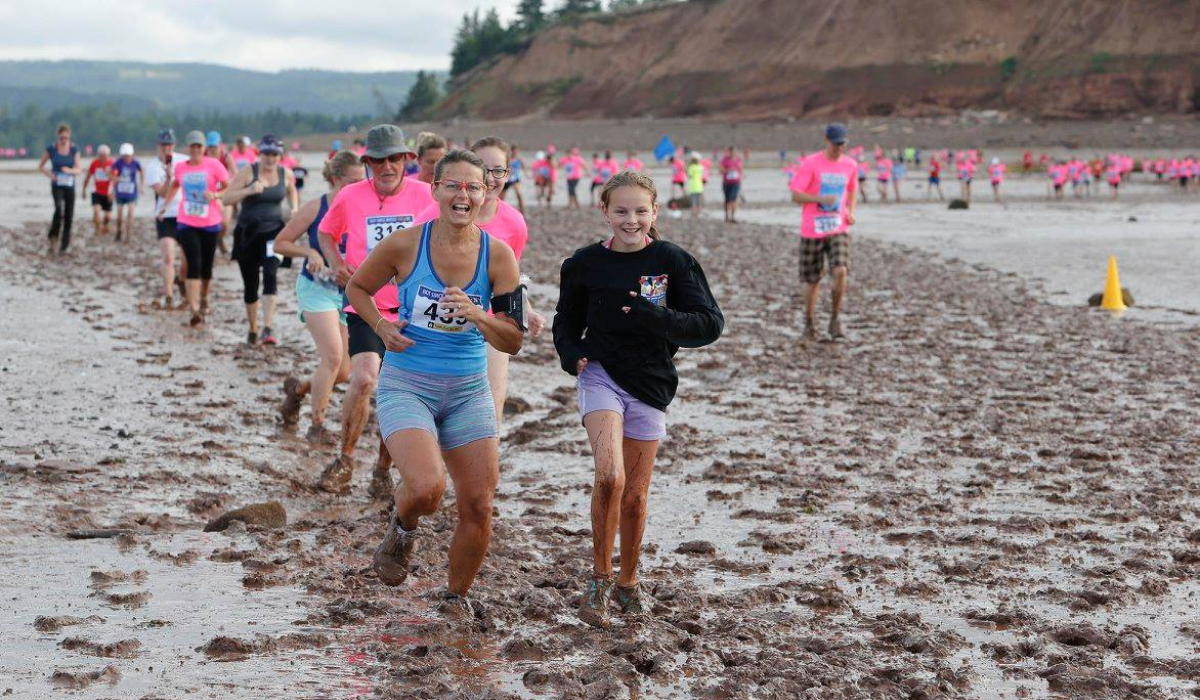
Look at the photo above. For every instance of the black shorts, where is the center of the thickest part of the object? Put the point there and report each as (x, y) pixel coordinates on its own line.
(165, 228)
(362, 337)
(731, 189)
(815, 251)
(571, 185)
(102, 201)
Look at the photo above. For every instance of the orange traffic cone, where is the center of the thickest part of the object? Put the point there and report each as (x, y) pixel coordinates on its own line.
(1113, 301)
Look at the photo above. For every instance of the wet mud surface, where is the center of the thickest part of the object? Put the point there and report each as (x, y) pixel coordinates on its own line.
(974, 495)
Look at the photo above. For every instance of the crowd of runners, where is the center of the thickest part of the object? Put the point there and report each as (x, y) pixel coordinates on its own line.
(410, 287)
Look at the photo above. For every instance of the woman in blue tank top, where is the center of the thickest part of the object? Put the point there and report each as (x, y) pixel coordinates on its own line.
(62, 159)
(434, 402)
(320, 302)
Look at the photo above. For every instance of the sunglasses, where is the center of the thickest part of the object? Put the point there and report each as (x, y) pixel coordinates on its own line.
(394, 158)
(471, 188)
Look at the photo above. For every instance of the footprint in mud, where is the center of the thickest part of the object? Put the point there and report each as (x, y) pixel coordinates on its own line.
(126, 648)
(47, 623)
(78, 680)
(136, 599)
(103, 579)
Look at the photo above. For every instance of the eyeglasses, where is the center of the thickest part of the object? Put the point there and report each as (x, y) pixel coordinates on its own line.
(497, 173)
(471, 188)
(394, 158)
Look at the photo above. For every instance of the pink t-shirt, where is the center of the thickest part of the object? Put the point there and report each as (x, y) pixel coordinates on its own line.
(678, 171)
(195, 209)
(820, 176)
(883, 168)
(997, 171)
(572, 168)
(243, 158)
(732, 166)
(506, 225)
(633, 165)
(358, 221)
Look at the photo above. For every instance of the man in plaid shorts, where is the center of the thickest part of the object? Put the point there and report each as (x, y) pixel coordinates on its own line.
(825, 185)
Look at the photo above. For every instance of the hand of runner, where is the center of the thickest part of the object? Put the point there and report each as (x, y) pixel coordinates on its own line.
(460, 305)
(389, 333)
(580, 365)
(209, 195)
(343, 273)
(635, 296)
(828, 200)
(537, 323)
(257, 187)
(315, 262)
(850, 218)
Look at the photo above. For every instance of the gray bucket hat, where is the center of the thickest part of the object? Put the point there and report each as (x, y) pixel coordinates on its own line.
(386, 139)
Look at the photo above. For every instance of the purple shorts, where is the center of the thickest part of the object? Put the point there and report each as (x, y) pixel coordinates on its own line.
(598, 392)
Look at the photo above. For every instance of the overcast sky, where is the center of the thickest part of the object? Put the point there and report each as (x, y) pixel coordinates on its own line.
(353, 35)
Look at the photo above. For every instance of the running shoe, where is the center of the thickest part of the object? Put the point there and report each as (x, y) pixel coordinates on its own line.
(268, 337)
(336, 477)
(197, 319)
(630, 599)
(810, 330)
(394, 552)
(251, 338)
(381, 487)
(320, 435)
(594, 608)
(835, 328)
(293, 398)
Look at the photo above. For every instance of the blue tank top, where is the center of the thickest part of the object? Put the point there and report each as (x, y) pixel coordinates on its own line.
(445, 345)
(59, 163)
(314, 240)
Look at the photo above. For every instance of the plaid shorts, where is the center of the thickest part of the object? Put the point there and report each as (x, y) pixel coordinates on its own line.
(814, 251)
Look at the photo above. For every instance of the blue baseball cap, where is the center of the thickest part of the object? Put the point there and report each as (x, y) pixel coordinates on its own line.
(213, 138)
(836, 133)
(166, 136)
(337, 144)
(270, 144)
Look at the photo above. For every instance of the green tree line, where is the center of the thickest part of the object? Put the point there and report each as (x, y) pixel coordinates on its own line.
(32, 127)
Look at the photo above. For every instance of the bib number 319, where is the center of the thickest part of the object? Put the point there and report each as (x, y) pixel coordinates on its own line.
(380, 227)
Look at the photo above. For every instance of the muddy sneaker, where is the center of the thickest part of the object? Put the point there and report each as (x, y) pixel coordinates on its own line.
(594, 608)
(269, 337)
(320, 435)
(381, 487)
(293, 399)
(454, 605)
(810, 330)
(197, 319)
(630, 599)
(392, 555)
(251, 338)
(336, 477)
(835, 328)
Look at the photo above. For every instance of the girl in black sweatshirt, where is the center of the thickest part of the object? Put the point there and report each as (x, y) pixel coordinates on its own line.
(625, 307)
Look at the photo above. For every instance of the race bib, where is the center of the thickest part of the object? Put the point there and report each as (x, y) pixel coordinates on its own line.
(827, 224)
(101, 176)
(380, 227)
(126, 187)
(428, 315)
(654, 289)
(64, 179)
(733, 176)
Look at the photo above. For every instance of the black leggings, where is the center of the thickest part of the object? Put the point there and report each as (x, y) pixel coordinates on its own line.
(253, 257)
(199, 249)
(64, 213)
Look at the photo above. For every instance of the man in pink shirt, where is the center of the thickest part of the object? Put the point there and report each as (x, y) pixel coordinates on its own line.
(825, 186)
(362, 215)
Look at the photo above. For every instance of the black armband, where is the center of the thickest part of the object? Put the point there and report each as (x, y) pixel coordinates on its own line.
(513, 305)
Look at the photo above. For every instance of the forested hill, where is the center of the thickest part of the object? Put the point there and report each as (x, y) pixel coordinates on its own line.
(204, 87)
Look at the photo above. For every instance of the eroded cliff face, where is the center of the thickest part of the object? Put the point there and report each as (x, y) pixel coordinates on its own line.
(761, 59)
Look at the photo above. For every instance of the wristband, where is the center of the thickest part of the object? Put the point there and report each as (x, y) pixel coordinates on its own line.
(376, 327)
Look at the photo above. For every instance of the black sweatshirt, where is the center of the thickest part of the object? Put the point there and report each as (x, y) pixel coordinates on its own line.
(636, 349)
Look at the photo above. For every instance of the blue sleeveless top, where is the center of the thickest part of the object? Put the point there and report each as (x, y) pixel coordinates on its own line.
(314, 241)
(446, 346)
